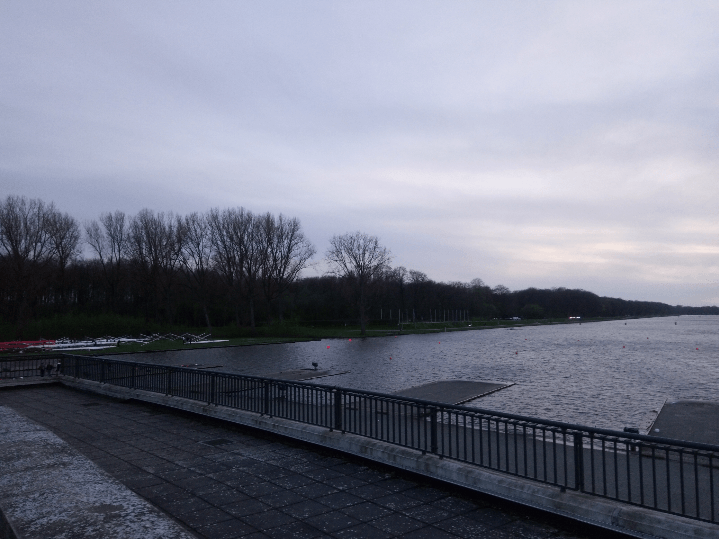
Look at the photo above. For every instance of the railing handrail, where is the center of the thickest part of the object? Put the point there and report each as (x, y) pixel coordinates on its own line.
(570, 427)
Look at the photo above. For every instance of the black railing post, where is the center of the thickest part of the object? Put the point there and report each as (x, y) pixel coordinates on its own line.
(77, 368)
(337, 394)
(267, 398)
(433, 432)
(579, 462)
(213, 383)
(102, 371)
(168, 385)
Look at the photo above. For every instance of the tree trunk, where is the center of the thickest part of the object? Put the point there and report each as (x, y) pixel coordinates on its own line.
(252, 315)
(363, 317)
(207, 317)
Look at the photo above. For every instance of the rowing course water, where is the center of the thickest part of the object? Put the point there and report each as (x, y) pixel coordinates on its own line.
(605, 374)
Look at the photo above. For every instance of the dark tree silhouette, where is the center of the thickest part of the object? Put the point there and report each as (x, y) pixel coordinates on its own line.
(361, 260)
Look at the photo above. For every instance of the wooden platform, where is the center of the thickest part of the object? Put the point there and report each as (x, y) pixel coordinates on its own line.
(689, 420)
(452, 391)
(301, 374)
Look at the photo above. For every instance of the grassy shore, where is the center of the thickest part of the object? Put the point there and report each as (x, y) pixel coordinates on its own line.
(285, 333)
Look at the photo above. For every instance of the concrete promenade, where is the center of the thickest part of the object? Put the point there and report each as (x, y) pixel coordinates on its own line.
(220, 480)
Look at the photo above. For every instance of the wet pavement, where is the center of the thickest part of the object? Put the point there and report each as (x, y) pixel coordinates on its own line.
(223, 481)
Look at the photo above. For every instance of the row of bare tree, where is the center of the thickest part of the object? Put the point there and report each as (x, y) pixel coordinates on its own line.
(37, 242)
(254, 254)
(233, 266)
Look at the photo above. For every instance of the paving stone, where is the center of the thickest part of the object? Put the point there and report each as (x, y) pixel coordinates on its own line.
(463, 526)
(340, 499)
(332, 521)
(348, 468)
(490, 517)
(455, 505)
(198, 483)
(298, 530)
(425, 494)
(346, 482)
(397, 501)
(178, 476)
(369, 492)
(222, 496)
(293, 481)
(371, 476)
(395, 484)
(322, 474)
(205, 517)
(316, 490)
(234, 480)
(366, 511)
(269, 519)
(187, 505)
(282, 498)
(245, 507)
(430, 532)
(427, 513)
(306, 508)
(166, 490)
(146, 480)
(397, 524)
(521, 530)
(260, 489)
(362, 531)
(257, 535)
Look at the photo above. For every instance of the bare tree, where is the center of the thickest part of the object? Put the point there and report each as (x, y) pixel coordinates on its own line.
(228, 233)
(110, 240)
(65, 241)
(360, 259)
(418, 284)
(26, 251)
(399, 276)
(196, 255)
(288, 253)
(155, 251)
(255, 258)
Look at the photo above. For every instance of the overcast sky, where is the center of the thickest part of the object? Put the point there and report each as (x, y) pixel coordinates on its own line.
(525, 143)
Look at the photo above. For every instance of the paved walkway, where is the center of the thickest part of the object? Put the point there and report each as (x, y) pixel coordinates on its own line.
(223, 481)
(47, 489)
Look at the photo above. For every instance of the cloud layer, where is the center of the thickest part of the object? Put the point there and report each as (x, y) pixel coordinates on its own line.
(529, 144)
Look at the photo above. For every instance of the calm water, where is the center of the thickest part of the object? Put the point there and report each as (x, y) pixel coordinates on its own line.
(606, 374)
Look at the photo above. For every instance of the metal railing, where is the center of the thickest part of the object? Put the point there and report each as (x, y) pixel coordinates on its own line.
(663, 474)
(29, 367)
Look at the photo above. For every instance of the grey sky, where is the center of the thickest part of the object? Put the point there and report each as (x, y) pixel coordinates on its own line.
(527, 143)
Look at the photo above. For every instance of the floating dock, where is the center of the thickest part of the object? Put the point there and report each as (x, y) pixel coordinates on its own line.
(688, 420)
(453, 391)
(300, 375)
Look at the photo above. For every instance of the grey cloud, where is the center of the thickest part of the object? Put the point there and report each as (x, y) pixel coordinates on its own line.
(474, 138)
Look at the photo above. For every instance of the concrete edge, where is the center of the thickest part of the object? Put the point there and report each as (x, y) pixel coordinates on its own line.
(6, 528)
(30, 381)
(593, 510)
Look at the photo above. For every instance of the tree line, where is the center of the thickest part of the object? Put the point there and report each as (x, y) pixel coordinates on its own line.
(233, 267)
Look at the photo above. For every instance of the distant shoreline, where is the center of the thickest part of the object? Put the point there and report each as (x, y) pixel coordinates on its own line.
(309, 333)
